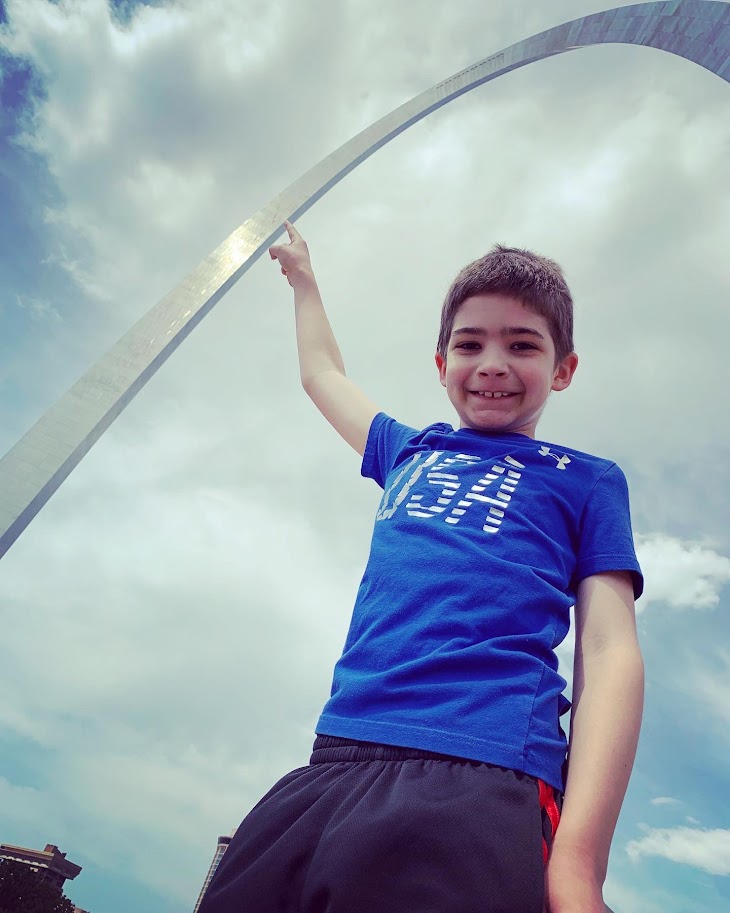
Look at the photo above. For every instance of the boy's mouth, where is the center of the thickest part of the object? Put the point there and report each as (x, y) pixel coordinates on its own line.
(486, 394)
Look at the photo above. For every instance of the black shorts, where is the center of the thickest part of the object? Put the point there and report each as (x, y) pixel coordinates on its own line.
(374, 829)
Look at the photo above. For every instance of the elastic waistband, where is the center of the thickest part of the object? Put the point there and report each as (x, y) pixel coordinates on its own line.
(329, 748)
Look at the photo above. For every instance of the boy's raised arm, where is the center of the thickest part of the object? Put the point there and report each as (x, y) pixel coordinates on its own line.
(321, 368)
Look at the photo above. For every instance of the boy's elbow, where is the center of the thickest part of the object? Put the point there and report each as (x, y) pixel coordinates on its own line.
(623, 645)
(618, 659)
(311, 381)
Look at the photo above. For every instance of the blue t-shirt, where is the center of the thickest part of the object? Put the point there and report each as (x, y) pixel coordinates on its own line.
(479, 544)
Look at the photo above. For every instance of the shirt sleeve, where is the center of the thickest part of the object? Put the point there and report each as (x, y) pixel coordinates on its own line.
(386, 439)
(607, 542)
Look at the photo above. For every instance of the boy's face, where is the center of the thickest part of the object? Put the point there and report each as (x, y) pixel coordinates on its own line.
(498, 345)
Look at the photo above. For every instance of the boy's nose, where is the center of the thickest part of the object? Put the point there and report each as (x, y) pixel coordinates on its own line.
(492, 366)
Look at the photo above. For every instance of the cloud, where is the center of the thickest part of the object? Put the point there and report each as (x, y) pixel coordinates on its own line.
(144, 116)
(706, 849)
(665, 800)
(177, 663)
(710, 682)
(683, 574)
(623, 898)
(38, 309)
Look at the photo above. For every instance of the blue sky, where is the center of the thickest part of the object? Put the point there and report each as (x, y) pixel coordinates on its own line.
(171, 617)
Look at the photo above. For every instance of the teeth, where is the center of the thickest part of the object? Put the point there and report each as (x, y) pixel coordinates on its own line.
(492, 395)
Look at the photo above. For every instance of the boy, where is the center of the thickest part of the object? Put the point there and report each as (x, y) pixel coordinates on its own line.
(438, 770)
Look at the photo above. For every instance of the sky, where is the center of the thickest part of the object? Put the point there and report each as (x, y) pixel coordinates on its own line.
(172, 616)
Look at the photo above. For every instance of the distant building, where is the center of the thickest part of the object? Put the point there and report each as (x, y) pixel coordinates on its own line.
(219, 851)
(50, 863)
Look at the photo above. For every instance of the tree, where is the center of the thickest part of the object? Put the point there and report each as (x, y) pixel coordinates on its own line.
(24, 891)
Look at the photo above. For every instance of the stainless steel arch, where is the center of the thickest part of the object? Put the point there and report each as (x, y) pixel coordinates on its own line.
(698, 30)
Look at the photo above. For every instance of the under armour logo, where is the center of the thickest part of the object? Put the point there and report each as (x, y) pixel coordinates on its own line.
(562, 461)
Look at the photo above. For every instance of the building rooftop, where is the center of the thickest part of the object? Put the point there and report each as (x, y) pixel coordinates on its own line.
(51, 860)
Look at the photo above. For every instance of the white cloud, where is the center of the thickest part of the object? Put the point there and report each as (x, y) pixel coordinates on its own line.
(148, 125)
(23, 801)
(622, 898)
(173, 662)
(683, 574)
(706, 849)
(686, 575)
(710, 682)
(566, 655)
(665, 800)
(38, 309)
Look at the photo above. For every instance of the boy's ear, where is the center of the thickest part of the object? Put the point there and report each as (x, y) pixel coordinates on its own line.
(441, 365)
(564, 372)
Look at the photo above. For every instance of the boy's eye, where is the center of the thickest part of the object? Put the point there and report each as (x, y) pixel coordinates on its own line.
(474, 346)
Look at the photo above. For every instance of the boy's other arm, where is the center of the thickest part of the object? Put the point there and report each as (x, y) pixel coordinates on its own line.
(321, 368)
(608, 694)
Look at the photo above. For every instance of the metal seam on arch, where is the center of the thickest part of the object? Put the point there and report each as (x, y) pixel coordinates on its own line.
(698, 30)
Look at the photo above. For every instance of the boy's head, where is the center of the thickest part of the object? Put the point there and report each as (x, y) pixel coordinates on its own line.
(506, 340)
(534, 280)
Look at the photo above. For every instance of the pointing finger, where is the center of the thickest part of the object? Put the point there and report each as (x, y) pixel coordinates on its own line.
(291, 231)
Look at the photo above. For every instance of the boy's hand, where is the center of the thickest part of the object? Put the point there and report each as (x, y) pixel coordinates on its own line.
(293, 257)
(575, 899)
(570, 888)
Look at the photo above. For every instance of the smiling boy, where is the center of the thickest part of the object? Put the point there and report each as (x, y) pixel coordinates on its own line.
(439, 767)
(501, 364)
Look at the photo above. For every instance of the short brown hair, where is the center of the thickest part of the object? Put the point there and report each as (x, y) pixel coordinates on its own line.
(537, 282)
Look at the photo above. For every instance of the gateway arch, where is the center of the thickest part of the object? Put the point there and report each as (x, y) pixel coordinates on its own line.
(698, 30)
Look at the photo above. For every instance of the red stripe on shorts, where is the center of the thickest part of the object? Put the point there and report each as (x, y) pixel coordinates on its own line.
(550, 815)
